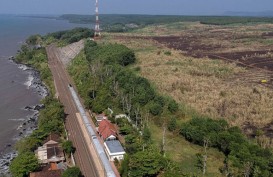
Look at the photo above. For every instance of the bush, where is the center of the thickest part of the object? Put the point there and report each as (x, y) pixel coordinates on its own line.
(155, 109)
(172, 124)
(72, 172)
(173, 106)
(68, 147)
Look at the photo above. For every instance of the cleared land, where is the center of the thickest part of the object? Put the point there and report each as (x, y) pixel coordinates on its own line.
(216, 70)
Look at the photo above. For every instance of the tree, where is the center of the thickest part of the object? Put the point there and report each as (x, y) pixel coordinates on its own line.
(123, 170)
(23, 164)
(146, 163)
(146, 135)
(68, 147)
(34, 40)
(72, 172)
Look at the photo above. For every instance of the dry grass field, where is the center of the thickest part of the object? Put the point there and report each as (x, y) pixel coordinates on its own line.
(216, 70)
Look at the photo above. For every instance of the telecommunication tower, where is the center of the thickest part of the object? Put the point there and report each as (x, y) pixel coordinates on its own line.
(97, 26)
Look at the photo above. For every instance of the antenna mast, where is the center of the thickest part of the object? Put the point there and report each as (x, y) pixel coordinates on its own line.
(97, 26)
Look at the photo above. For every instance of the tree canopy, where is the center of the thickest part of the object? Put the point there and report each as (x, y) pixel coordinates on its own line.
(25, 163)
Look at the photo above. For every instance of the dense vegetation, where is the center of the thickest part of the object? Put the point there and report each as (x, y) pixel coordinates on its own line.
(121, 23)
(105, 80)
(103, 77)
(247, 157)
(69, 36)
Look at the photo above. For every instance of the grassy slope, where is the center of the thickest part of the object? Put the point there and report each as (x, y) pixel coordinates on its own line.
(183, 152)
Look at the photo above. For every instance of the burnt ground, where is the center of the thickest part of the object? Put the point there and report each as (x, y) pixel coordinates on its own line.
(193, 46)
(259, 59)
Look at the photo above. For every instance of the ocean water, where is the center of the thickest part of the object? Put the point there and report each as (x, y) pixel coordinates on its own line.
(15, 93)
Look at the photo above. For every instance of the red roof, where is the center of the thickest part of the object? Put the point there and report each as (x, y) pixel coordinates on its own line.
(52, 173)
(106, 129)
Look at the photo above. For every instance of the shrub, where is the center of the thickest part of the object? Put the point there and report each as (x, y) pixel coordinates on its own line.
(172, 124)
(72, 172)
(68, 147)
(155, 109)
(173, 106)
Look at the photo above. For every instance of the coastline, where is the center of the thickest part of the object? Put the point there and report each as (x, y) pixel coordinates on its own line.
(28, 124)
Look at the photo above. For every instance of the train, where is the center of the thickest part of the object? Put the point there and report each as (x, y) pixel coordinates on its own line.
(92, 135)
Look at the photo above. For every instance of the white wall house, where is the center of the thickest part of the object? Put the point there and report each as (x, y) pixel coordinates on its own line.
(114, 150)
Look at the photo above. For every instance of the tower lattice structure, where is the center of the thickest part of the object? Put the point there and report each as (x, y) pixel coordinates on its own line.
(97, 26)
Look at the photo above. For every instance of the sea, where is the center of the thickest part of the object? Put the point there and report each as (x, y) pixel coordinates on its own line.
(17, 97)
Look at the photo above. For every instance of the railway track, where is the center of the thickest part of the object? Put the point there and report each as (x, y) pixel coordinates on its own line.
(83, 156)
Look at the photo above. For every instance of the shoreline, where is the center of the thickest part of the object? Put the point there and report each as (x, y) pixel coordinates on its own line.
(27, 124)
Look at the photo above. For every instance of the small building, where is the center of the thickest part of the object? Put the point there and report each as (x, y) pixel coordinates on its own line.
(50, 173)
(53, 136)
(107, 130)
(100, 117)
(50, 152)
(114, 150)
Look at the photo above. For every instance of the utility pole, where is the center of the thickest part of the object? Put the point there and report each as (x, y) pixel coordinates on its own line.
(97, 26)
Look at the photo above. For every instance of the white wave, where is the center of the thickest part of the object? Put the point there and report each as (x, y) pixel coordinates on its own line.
(28, 83)
(19, 127)
(23, 67)
(17, 120)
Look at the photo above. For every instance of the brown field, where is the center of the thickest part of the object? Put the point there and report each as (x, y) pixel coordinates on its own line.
(215, 70)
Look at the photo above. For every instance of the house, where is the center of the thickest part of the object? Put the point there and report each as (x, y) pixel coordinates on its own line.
(50, 152)
(100, 117)
(50, 170)
(53, 136)
(114, 150)
(107, 130)
(50, 173)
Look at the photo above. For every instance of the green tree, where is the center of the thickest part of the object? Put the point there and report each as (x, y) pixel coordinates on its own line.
(123, 170)
(146, 135)
(146, 163)
(27, 144)
(72, 172)
(34, 40)
(68, 147)
(23, 164)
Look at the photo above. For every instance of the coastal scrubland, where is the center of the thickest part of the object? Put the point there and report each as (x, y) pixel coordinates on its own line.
(193, 90)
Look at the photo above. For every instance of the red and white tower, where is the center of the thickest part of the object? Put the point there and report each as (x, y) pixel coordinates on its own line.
(97, 26)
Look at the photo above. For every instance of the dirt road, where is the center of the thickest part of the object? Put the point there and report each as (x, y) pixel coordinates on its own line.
(83, 157)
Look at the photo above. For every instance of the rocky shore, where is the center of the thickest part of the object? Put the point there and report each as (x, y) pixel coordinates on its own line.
(27, 125)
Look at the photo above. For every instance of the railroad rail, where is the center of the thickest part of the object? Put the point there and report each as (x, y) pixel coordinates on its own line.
(92, 135)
